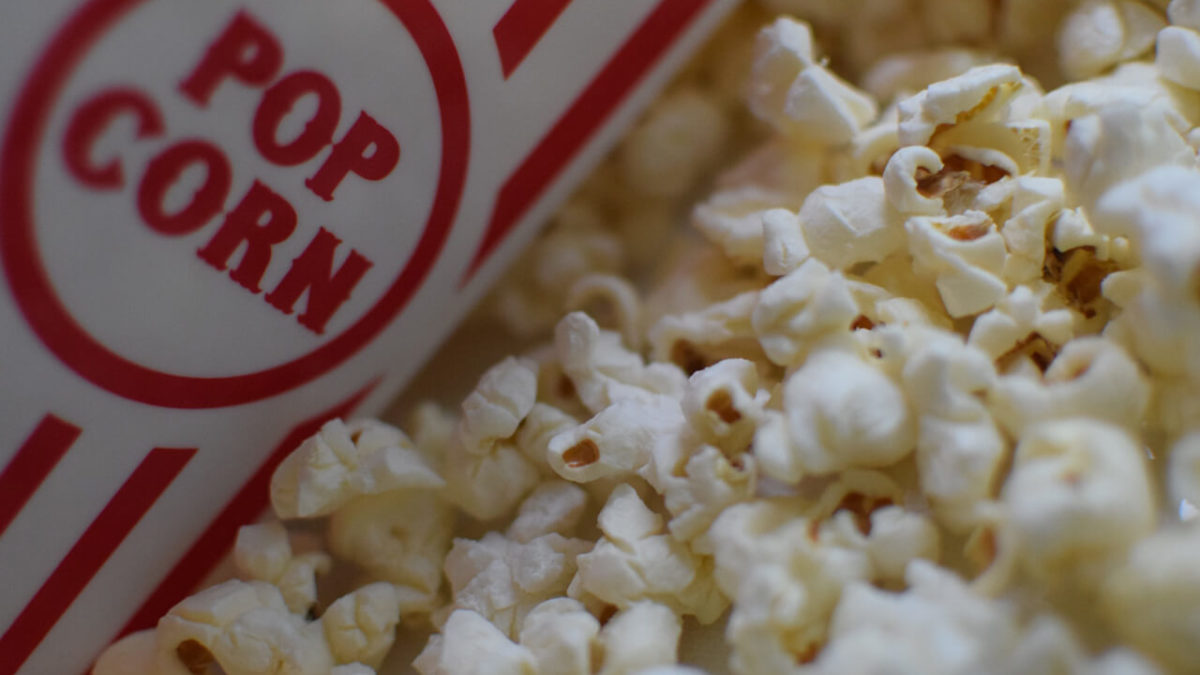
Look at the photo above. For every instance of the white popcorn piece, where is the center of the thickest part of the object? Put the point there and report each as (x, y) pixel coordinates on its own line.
(900, 181)
(838, 412)
(1091, 377)
(1018, 317)
(543, 423)
(1123, 139)
(554, 507)
(343, 461)
(361, 626)
(352, 669)
(636, 561)
(245, 629)
(938, 626)
(1151, 599)
(560, 634)
(785, 586)
(966, 255)
(908, 73)
(470, 645)
(399, 537)
(432, 429)
(134, 654)
(1099, 33)
(980, 94)
(723, 404)
(1176, 405)
(798, 96)
(263, 553)
(695, 340)
(643, 635)
(1159, 211)
(1035, 204)
(1183, 470)
(1184, 13)
(490, 485)
(1178, 56)
(486, 474)
(1079, 493)
(733, 220)
(614, 296)
(710, 483)
(616, 442)
(679, 137)
(503, 580)
(784, 248)
(494, 410)
(850, 223)
(602, 371)
(797, 309)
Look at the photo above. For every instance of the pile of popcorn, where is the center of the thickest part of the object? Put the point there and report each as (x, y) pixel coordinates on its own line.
(923, 396)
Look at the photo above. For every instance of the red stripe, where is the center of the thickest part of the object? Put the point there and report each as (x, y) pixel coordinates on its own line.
(564, 140)
(34, 460)
(521, 27)
(208, 550)
(90, 552)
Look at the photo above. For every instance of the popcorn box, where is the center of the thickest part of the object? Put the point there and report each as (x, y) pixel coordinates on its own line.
(224, 222)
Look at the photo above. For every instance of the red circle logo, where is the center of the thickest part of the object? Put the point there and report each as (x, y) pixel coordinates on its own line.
(65, 336)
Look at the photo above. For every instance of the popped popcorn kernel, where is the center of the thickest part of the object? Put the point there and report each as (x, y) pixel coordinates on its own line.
(873, 347)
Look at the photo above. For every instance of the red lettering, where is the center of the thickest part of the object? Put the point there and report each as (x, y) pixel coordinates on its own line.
(278, 101)
(312, 271)
(164, 171)
(350, 155)
(245, 224)
(90, 120)
(245, 50)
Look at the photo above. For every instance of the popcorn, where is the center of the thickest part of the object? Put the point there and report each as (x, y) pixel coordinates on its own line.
(711, 482)
(554, 507)
(784, 585)
(243, 628)
(850, 223)
(980, 94)
(616, 442)
(1183, 470)
(800, 307)
(694, 340)
(634, 561)
(798, 96)
(679, 136)
(502, 579)
(900, 183)
(602, 371)
(733, 220)
(399, 537)
(343, 461)
(1099, 33)
(643, 635)
(724, 405)
(965, 254)
(1091, 377)
(1178, 56)
(838, 412)
(899, 408)
(485, 473)
(1078, 493)
(784, 248)
(1019, 317)
(361, 626)
(263, 553)
(470, 645)
(616, 296)
(1152, 598)
(560, 634)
